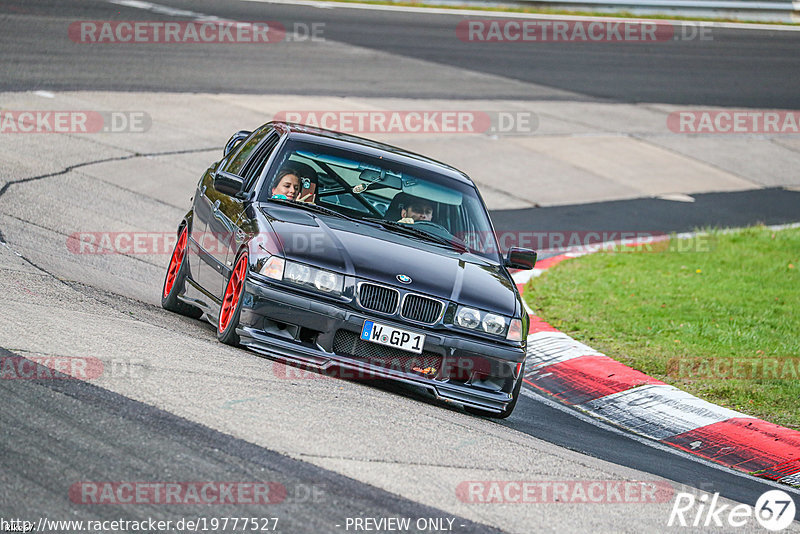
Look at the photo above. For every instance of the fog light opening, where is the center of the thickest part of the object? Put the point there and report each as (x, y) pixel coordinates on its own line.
(306, 335)
(485, 381)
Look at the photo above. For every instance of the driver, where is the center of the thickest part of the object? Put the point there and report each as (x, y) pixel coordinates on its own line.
(415, 210)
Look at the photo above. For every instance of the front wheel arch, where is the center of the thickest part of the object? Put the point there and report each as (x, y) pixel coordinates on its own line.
(231, 304)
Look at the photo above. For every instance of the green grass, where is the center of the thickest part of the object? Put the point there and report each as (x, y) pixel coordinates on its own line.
(733, 298)
(550, 11)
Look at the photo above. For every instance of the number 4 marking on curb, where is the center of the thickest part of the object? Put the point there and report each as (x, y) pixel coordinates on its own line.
(695, 444)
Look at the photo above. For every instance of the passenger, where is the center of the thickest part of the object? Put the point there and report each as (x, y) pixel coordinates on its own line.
(415, 210)
(287, 185)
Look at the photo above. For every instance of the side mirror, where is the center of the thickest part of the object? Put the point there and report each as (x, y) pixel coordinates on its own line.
(228, 183)
(520, 258)
(235, 139)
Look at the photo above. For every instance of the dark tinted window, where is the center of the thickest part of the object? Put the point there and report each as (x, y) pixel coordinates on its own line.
(254, 166)
(361, 186)
(243, 152)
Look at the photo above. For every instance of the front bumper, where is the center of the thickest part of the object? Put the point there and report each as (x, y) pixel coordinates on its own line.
(325, 337)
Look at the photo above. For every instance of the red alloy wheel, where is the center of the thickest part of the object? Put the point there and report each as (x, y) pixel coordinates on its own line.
(175, 263)
(232, 293)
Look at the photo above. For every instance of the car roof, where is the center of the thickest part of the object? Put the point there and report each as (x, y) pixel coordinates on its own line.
(302, 132)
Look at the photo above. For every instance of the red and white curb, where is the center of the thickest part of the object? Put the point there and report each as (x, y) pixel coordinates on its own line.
(578, 375)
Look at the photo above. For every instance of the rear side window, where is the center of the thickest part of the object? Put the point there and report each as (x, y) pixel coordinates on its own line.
(236, 164)
(254, 166)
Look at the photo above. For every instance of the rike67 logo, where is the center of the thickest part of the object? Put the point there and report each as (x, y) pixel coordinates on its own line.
(774, 510)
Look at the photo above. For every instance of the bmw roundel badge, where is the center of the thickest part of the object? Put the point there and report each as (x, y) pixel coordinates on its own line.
(403, 279)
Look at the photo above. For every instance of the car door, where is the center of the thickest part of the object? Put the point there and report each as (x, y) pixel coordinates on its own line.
(207, 265)
(201, 209)
(227, 212)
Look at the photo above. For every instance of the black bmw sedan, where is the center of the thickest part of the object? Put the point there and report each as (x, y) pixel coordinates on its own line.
(334, 253)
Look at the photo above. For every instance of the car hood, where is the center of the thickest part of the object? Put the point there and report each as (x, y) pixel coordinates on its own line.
(370, 253)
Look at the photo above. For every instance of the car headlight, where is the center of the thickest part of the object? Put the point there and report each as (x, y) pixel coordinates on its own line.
(494, 324)
(468, 318)
(328, 282)
(491, 323)
(297, 273)
(303, 275)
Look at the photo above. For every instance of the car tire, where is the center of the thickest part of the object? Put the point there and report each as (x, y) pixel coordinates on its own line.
(175, 280)
(232, 302)
(505, 413)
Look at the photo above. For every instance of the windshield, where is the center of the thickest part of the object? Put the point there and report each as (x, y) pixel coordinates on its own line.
(401, 198)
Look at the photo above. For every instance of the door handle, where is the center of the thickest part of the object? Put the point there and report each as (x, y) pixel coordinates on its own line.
(216, 205)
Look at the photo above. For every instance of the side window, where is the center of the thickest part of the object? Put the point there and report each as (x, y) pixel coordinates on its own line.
(254, 166)
(237, 162)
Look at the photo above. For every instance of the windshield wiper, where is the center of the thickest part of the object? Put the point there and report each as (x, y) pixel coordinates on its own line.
(410, 230)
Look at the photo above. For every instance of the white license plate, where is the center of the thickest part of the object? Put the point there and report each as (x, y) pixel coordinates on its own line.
(392, 337)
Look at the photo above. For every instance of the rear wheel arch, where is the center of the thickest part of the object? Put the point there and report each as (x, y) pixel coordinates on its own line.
(175, 278)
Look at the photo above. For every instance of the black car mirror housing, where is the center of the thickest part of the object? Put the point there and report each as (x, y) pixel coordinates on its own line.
(234, 141)
(228, 184)
(520, 258)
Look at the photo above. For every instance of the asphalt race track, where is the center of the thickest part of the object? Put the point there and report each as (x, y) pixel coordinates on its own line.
(172, 405)
(736, 68)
